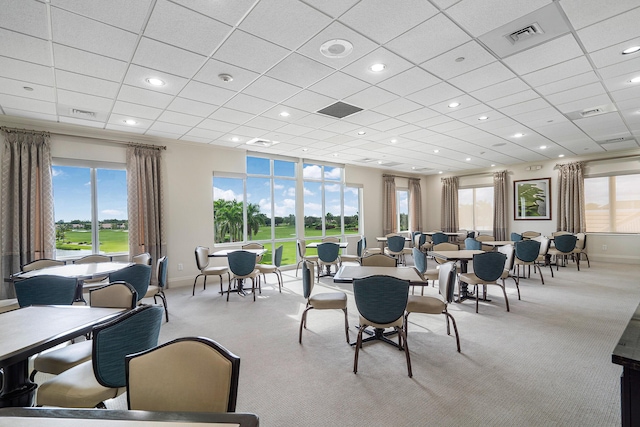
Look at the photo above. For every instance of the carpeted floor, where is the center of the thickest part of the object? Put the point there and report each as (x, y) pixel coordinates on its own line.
(545, 363)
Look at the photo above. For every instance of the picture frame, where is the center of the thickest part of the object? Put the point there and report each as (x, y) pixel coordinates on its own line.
(532, 199)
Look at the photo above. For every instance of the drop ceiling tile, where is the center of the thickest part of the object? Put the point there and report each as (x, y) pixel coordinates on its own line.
(397, 107)
(299, 70)
(169, 127)
(110, 12)
(387, 125)
(83, 101)
(250, 52)
(170, 135)
(632, 66)
(482, 77)
(473, 111)
(228, 12)
(249, 131)
(217, 125)
(144, 97)
(434, 121)
(232, 116)
(86, 34)
(419, 135)
(613, 54)
(465, 102)
(417, 115)
(410, 81)
(445, 66)
(204, 133)
(309, 101)
(583, 104)
(295, 115)
(339, 86)
(602, 127)
(290, 29)
(249, 104)
(271, 89)
(194, 138)
(500, 90)
(211, 71)
(488, 112)
(342, 127)
(89, 64)
(481, 17)
(382, 21)
(134, 130)
(184, 28)
(25, 71)
(570, 83)
(333, 8)
(27, 17)
(86, 84)
(370, 98)
(206, 93)
(445, 128)
(16, 88)
(394, 66)
(626, 94)
(517, 98)
(435, 94)
(365, 118)
(578, 93)
(545, 55)
(179, 118)
(404, 129)
(557, 72)
(136, 110)
(524, 107)
(610, 31)
(26, 48)
(319, 134)
(265, 123)
(141, 124)
(170, 59)
(82, 122)
(26, 104)
(541, 117)
(442, 35)
(191, 107)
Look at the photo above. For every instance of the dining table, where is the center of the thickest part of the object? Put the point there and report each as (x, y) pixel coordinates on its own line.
(463, 256)
(498, 243)
(59, 417)
(223, 253)
(30, 330)
(80, 272)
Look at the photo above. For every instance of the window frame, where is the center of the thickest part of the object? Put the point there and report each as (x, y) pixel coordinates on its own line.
(398, 213)
(474, 204)
(611, 192)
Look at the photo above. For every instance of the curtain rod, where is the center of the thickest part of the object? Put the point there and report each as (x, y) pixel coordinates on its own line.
(627, 156)
(477, 174)
(399, 176)
(17, 130)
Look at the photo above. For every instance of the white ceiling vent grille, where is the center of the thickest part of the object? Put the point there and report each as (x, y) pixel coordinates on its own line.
(261, 142)
(525, 33)
(591, 111)
(85, 114)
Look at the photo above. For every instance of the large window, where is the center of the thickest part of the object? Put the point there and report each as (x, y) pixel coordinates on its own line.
(90, 204)
(612, 204)
(402, 209)
(475, 209)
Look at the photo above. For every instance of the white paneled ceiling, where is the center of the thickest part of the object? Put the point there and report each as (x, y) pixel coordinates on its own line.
(57, 56)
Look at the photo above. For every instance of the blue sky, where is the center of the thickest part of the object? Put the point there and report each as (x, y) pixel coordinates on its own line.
(72, 193)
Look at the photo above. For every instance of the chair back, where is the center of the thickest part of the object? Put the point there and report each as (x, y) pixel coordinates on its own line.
(41, 263)
(328, 251)
(161, 271)
(420, 260)
(253, 246)
(485, 238)
(420, 240)
(198, 375)
(565, 242)
(447, 280)
(530, 234)
(90, 259)
(302, 248)
(560, 233)
(46, 290)
(508, 250)
(515, 237)
(439, 238)
(544, 244)
(202, 257)
(143, 258)
(471, 234)
(581, 241)
(379, 260)
(137, 275)
(114, 295)
(332, 239)
(395, 244)
(488, 266)
(472, 244)
(360, 248)
(241, 263)
(381, 299)
(307, 278)
(527, 250)
(132, 332)
(277, 256)
(445, 247)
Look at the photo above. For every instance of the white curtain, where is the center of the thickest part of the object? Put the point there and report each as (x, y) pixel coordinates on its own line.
(500, 215)
(415, 204)
(571, 214)
(389, 206)
(28, 229)
(449, 210)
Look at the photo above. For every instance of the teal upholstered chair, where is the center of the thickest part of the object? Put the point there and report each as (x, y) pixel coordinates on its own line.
(328, 255)
(137, 275)
(472, 244)
(359, 253)
(41, 263)
(439, 238)
(46, 290)
(564, 246)
(581, 248)
(381, 302)
(515, 237)
(157, 291)
(89, 384)
(366, 250)
(420, 263)
(243, 266)
(395, 247)
(487, 269)
(526, 253)
(273, 268)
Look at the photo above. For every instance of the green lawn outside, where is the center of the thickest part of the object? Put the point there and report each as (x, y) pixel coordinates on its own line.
(110, 240)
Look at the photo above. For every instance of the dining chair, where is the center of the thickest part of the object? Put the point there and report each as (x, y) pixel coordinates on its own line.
(439, 237)
(91, 259)
(143, 258)
(202, 262)
(357, 257)
(485, 238)
(508, 251)
(581, 247)
(41, 263)
(328, 255)
(379, 260)
(420, 263)
(367, 250)
(530, 234)
(436, 304)
(137, 275)
(273, 268)
(254, 245)
(564, 246)
(243, 266)
(395, 247)
(331, 239)
(381, 303)
(446, 247)
(157, 291)
(89, 384)
(487, 269)
(198, 375)
(321, 301)
(515, 237)
(527, 252)
(302, 255)
(46, 290)
(112, 295)
(543, 257)
(472, 244)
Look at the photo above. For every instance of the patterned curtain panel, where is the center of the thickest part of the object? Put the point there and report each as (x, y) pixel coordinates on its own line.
(500, 218)
(415, 204)
(145, 199)
(389, 205)
(28, 229)
(571, 215)
(449, 212)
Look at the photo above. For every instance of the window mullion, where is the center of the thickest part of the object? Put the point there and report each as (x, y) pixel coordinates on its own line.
(95, 232)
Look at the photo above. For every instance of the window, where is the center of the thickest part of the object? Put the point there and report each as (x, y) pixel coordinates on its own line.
(352, 198)
(475, 209)
(90, 204)
(612, 204)
(228, 209)
(402, 209)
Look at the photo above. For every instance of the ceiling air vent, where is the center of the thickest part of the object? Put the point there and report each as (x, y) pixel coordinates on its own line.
(261, 142)
(340, 110)
(525, 33)
(82, 113)
(611, 141)
(591, 111)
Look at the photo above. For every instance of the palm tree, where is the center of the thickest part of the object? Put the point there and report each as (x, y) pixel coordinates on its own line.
(254, 219)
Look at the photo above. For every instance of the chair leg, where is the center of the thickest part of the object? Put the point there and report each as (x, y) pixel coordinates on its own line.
(588, 262)
(194, 285)
(164, 302)
(403, 337)
(539, 272)
(221, 289)
(477, 296)
(346, 324)
(358, 345)
(205, 283)
(303, 323)
(506, 300)
(253, 287)
(455, 328)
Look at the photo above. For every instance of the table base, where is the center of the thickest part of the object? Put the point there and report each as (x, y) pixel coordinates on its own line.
(379, 335)
(17, 390)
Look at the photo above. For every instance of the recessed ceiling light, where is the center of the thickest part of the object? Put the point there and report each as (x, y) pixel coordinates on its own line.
(335, 154)
(468, 159)
(361, 132)
(460, 59)
(635, 80)
(560, 155)
(543, 147)
(284, 114)
(130, 122)
(439, 171)
(377, 67)
(632, 49)
(336, 48)
(436, 151)
(492, 165)
(413, 168)
(518, 135)
(483, 118)
(393, 141)
(454, 105)
(27, 88)
(235, 139)
(155, 81)
(305, 149)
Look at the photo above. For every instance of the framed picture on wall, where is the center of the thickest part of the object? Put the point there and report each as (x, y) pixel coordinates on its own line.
(532, 199)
